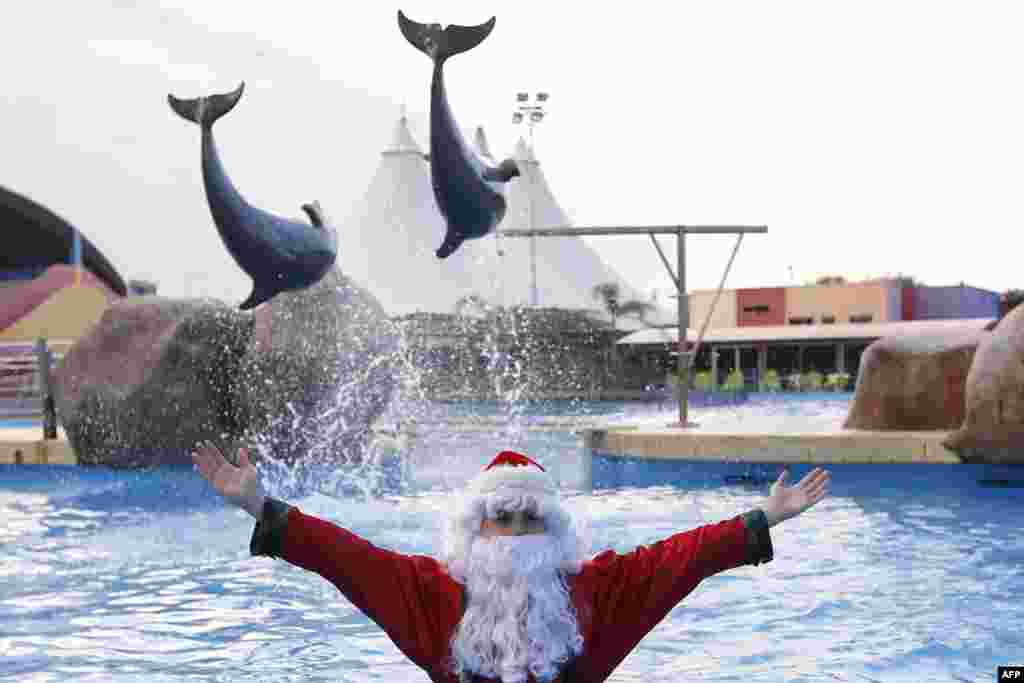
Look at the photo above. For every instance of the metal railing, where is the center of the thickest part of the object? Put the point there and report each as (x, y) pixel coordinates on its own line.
(25, 380)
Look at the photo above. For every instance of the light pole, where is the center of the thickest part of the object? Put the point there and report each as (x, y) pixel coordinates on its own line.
(532, 114)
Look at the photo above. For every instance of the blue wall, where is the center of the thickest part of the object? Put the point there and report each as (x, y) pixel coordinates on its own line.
(956, 301)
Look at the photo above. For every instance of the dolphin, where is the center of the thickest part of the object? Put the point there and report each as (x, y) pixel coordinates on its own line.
(278, 254)
(468, 190)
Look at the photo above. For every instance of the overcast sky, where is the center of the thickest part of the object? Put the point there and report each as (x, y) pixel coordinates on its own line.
(871, 138)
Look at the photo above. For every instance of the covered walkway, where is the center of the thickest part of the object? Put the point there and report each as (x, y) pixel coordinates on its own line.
(784, 348)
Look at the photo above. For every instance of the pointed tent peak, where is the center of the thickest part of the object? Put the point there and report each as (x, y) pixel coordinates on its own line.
(524, 152)
(480, 141)
(402, 141)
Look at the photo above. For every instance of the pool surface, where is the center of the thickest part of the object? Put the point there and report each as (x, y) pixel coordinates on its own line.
(145, 575)
(20, 422)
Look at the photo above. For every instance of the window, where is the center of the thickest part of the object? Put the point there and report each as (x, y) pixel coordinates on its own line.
(861, 318)
(801, 321)
(759, 308)
(828, 319)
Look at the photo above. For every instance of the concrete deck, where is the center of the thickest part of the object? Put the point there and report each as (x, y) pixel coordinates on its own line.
(846, 446)
(26, 446)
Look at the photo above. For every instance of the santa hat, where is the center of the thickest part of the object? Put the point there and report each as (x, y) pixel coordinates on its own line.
(512, 472)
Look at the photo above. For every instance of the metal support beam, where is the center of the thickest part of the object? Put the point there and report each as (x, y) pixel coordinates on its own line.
(683, 308)
(636, 230)
(668, 266)
(685, 359)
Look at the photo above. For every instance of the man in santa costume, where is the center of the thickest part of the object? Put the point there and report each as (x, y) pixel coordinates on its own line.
(514, 597)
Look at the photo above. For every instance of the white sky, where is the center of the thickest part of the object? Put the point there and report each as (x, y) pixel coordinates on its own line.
(870, 137)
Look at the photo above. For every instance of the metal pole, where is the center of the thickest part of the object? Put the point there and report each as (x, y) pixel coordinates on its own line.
(48, 408)
(683, 310)
(533, 238)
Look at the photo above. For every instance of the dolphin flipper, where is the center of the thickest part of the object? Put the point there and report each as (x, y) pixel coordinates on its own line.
(440, 44)
(452, 241)
(258, 296)
(206, 110)
(503, 172)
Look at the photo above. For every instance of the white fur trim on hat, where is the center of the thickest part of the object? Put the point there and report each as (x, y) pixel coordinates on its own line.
(513, 478)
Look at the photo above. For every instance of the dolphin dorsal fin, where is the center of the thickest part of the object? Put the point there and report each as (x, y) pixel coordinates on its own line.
(315, 213)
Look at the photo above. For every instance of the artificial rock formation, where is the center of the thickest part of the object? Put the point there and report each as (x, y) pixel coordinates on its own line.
(155, 376)
(913, 383)
(993, 428)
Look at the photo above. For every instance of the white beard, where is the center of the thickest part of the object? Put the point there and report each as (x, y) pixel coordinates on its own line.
(519, 618)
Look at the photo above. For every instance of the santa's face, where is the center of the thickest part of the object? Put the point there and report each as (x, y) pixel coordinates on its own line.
(513, 523)
(518, 618)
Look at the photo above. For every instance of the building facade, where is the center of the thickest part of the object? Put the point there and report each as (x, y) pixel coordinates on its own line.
(54, 282)
(800, 329)
(883, 300)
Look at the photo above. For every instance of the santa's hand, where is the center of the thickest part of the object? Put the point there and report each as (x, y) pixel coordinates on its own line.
(238, 485)
(785, 502)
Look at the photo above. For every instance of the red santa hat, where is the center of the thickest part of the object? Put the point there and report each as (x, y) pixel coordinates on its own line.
(512, 472)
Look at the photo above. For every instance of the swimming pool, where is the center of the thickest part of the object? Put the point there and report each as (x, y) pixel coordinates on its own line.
(145, 576)
(20, 422)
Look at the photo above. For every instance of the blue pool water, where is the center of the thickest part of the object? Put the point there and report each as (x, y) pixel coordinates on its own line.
(20, 422)
(902, 574)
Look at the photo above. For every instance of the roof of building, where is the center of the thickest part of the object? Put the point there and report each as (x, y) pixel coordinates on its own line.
(809, 333)
(35, 237)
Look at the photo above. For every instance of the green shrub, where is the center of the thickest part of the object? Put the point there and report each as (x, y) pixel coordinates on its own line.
(811, 381)
(770, 381)
(837, 381)
(702, 381)
(734, 382)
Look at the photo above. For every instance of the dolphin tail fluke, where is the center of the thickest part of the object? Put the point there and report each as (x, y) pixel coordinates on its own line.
(206, 110)
(441, 44)
(448, 247)
(258, 296)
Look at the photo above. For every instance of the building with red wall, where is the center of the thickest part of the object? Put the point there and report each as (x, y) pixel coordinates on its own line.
(760, 306)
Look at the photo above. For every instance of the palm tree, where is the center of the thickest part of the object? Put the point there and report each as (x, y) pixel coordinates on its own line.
(473, 303)
(608, 294)
(636, 309)
(831, 280)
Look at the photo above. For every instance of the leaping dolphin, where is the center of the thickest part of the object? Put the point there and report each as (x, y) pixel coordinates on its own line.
(468, 191)
(280, 255)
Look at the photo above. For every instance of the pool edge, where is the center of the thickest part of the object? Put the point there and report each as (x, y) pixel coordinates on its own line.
(844, 446)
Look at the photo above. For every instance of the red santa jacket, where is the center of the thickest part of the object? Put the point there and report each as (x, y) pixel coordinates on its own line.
(618, 598)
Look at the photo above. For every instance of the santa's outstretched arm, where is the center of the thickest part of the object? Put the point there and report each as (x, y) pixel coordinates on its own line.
(410, 597)
(627, 595)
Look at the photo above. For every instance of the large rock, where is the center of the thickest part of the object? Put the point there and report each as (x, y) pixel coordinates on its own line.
(913, 383)
(151, 378)
(993, 428)
(157, 375)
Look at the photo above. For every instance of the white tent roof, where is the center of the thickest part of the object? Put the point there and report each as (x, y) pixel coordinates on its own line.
(387, 244)
(567, 267)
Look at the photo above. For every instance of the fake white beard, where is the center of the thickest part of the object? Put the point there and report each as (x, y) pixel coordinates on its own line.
(518, 618)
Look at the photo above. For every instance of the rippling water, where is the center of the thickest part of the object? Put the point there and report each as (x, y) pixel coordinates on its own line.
(145, 576)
